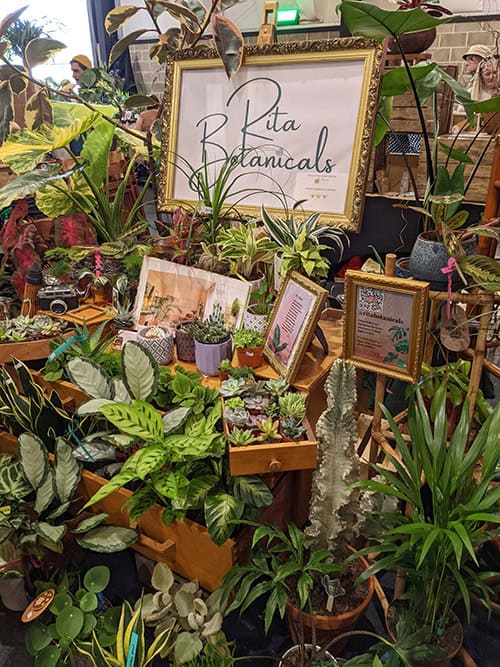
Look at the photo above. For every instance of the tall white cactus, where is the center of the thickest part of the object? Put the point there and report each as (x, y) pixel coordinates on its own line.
(334, 511)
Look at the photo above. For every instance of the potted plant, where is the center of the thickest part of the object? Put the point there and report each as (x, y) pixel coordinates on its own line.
(260, 305)
(421, 40)
(212, 342)
(292, 410)
(435, 544)
(444, 235)
(292, 566)
(159, 341)
(249, 344)
(248, 249)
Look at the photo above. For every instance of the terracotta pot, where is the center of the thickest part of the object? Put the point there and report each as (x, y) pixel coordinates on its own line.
(328, 627)
(439, 662)
(295, 650)
(250, 356)
(413, 42)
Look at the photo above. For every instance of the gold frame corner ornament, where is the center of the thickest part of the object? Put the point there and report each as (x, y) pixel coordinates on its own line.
(320, 295)
(335, 50)
(419, 291)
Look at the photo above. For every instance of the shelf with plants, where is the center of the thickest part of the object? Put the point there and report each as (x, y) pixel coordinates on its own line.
(266, 427)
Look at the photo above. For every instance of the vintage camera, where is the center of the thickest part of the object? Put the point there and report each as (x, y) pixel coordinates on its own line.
(58, 299)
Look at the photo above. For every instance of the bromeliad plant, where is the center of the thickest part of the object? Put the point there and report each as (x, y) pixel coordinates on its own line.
(436, 545)
(179, 462)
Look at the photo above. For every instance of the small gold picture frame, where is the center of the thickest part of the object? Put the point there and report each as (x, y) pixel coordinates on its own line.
(384, 328)
(292, 323)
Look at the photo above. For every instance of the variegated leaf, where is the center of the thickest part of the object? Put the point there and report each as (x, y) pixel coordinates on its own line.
(141, 373)
(68, 471)
(90, 378)
(34, 459)
(45, 493)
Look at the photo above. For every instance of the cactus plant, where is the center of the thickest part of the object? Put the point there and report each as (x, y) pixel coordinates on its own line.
(334, 510)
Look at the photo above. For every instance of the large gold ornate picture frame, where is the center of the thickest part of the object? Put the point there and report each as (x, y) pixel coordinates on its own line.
(384, 328)
(292, 323)
(297, 120)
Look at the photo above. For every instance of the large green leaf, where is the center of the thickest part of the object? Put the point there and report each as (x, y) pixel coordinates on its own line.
(228, 42)
(220, 509)
(70, 623)
(366, 20)
(49, 532)
(54, 199)
(118, 16)
(147, 460)
(6, 110)
(90, 378)
(140, 502)
(108, 539)
(27, 184)
(68, 471)
(91, 522)
(96, 152)
(396, 81)
(49, 657)
(37, 637)
(122, 45)
(151, 416)
(187, 646)
(45, 493)
(141, 373)
(38, 111)
(34, 459)
(40, 49)
(119, 480)
(252, 491)
(130, 421)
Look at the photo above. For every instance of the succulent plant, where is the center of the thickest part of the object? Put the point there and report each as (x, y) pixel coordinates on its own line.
(22, 328)
(211, 330)
(235, 402)
(271, 409)
(241, 437)
(292, 428)
(232, 387)
(255, 402)
(195, 620)
(292, 404)
(269, 430)
(237, 416)
(248, 338)
(277, 387)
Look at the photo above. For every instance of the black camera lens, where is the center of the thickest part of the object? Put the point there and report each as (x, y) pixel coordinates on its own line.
(58, 307)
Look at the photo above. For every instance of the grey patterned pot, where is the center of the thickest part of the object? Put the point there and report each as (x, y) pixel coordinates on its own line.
(253, 320)
(209, 355)
(428, 257)
(161, 349)
(184, 344)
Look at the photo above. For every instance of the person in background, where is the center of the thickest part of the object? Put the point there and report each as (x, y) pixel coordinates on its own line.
(486, 83)
(78, 66)
(473, 57)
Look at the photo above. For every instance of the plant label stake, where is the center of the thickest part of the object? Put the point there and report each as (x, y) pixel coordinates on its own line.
(333, 589)
(134, 638)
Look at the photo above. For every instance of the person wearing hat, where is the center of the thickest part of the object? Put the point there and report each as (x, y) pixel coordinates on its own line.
(473, 57)
(78, 66)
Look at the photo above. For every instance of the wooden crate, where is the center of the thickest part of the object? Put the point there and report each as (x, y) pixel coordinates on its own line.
(27, 351)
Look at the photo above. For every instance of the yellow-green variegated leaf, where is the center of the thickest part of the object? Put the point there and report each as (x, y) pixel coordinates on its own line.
(484, 270)
(38, 111)
(40, 49)
(67, 112)
(27, 184)
(132, 421)
(54, 199)
(25, 149)
(118, 16)
(119, 480)
(18, 84)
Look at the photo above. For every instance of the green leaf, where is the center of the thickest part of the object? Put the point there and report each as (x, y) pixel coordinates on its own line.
(455, 154)
(38, 111)
(136, 101)
(118, 16)
(90, 378)
(220, 510)
(49, 657)
(95, 152)
(70, 623)
(96, 579)
(429, 541)
(37, 638)
(60, 603)
(48, 532)
(162, 578)
(396, 81)
(40, 49)
(187, 646)
(252, 491)
(175, 419)
(119, 480)
(140, 502)
(45, 493)
(131, 421)
(141, 372)
(122, 45)
(68, 471)
(88, 524)
(367, 20)
(88, 602)
(34, 459)
(198, 489)
(108, 539)
(484, 270)
(26, 184)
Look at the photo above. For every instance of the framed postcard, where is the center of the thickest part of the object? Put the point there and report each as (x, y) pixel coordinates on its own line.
(292, 323)
(294, 124)
(384, 327)
(171, 293)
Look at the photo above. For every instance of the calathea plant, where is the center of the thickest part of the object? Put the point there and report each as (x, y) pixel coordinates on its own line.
(180, 460)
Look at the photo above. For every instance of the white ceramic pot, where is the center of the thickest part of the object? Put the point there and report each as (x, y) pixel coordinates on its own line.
(254, 321)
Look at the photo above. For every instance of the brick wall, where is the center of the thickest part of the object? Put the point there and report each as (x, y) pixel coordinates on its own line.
(451, 42)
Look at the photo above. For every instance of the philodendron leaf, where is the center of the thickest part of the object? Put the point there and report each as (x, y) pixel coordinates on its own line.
(90, 378)
(228, 42)
(45, 493)
(174, 420)
(6, 110)
(68, 471)
(91, 522)
(141, 373)
(40, 49)
(34, 459)
(38, 111)
(108, 539)
(118, 16)
(220, 509)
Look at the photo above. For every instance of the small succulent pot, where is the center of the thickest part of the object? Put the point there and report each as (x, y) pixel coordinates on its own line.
(250, 356)
(209, 355)
(159, 341)
(184, 344)
(252, 320)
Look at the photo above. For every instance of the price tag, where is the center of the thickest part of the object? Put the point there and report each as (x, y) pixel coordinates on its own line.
(333, 589)
(455, 329)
